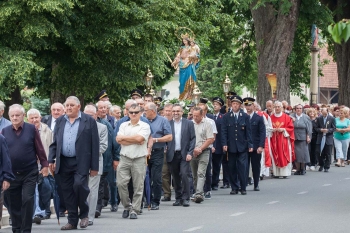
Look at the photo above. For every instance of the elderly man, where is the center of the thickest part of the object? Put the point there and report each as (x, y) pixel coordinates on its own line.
(3, 121)
(141, 103)
(108, 175)
(133, 137)
(199, 163)
(57, 110)
(102, 112)
(46, 136)
(25, 149)
(269, 107)
(94, 181)
(6, 175)
(161, 133)
(74, 154)
(116, 112)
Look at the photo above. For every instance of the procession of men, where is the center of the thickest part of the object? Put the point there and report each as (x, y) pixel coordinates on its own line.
(95, 159)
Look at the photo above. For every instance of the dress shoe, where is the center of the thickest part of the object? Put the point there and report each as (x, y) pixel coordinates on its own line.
(297, 173)
(320, 169)
(215, 188)
(154, 207)
(47, 216)
(198, 198)
(84, 222)
(234, 192)
(225, 186)
(133, 215)
(243, 192)
(114, 208)
(104, 203)
(302, 172)
(68, 226)
(91, 223)
(126, 213)
(326, 170)
(166, 199)
(250, 181)
(37, 219)
(257, 188)
(186, 203)
(97, 214)
(62, 215)
(177, 203)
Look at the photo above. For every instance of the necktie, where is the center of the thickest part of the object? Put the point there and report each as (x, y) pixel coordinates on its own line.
(236, 118)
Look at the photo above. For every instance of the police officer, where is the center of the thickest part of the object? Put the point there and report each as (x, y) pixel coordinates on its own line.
(136, 94)
(258, 136)
(237, 140)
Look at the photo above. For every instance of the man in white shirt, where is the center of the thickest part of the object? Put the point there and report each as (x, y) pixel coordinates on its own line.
(133, 138)
(57, 110)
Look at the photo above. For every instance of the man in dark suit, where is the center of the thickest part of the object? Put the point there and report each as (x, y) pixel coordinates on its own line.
(179, 155)
(74, 154)
(258, 136)
(237, 140)
(218, 154)
(324, 144)
(57, 110)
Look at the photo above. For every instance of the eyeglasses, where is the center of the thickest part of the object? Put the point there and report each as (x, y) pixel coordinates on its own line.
(132, 113)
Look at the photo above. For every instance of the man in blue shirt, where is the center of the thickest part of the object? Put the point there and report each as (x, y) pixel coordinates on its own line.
(3, 121)
(161, 133)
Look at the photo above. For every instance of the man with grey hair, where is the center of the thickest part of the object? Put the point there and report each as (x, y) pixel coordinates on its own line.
(103, 110)
(161, 134)
(94, 181)
(3, 121)
(57, 110)
(269, 107)
(116, 112)
(25, 149)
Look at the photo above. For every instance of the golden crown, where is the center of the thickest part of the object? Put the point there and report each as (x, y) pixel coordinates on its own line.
(185, 36)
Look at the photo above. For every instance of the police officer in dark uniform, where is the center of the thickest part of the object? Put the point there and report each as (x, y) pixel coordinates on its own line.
(136, 94)
(237, 140)
(258, 136)
(218, 155)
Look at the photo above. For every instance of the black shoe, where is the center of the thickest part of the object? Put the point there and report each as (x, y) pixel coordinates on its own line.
(326, 170)
(198, 198)
(257, 188)
(104, 203)
(48, 216)
(243, 192)
(215, 188)
(166, 199)
(186, 203)
(62, 215)
(154, 207)
(91, 223)
(37, 219)
(234, 192)
(133, 215)
(114, 208)
(126, 213)
(250, 181)
(225, 186)
(177, 203)
(297, 173)
(320, 169)
(97, 214)
(302, 172)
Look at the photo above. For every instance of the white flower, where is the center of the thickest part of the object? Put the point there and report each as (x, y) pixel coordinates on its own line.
(182, 103)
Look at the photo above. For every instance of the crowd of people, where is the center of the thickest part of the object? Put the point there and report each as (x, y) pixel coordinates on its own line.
(90, 158)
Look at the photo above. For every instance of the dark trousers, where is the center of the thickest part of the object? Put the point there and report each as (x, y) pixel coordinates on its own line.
(216, 162)
(225, 172)
(208, 176)
(237, 163)
(180, 170)
(312, 151)
(102, 193)
(112, 185)
(255, 159)
(20, 200)
(324, 156)
(155, 166)
(75, 190)
(60, 194)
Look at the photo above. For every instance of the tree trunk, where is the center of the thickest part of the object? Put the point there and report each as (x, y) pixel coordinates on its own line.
(342, 55)
(16, 98)
(274, 35)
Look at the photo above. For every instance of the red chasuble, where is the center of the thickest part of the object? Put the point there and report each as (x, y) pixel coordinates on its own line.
(279, 143)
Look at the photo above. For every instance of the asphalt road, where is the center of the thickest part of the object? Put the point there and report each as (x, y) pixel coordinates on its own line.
(316, 202)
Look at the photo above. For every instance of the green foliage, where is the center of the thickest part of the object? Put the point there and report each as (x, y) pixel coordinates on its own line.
(43, 105)
(340, 31)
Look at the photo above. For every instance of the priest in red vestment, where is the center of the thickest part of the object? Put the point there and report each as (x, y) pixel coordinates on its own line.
(282, 142)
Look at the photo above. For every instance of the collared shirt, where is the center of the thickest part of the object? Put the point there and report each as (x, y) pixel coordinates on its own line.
(177, 132)
(298, 116)
(203, 131)
(70, 136)
(160, 127)
(53, 124)
(135, 150)
(125, 119)
(251, 115)
(213, 125)
(4, 123)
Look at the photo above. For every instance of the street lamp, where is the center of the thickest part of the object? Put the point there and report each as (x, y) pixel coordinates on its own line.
(272, 79)
(148, 80)
(196, 94)
(226, 86)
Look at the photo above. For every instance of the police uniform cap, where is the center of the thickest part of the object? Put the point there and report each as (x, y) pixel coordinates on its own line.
(248, 101)
(203, 100)
(101, 95)
(218, 100)
(136, 92)
(236, 98)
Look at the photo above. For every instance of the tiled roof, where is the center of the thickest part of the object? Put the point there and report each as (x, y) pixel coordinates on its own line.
(330, 78)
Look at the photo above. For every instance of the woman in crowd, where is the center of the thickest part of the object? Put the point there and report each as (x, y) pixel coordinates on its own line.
(342, 136)
(313, 113)
(302, 134)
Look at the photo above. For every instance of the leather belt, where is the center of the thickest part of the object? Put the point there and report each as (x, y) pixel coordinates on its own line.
(158, 149)
(177, 151)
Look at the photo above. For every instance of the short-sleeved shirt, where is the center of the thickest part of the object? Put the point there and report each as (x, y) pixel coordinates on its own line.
(215, 131)
(160, 127)
(203, 131)
(135, 150)
(341, 125)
